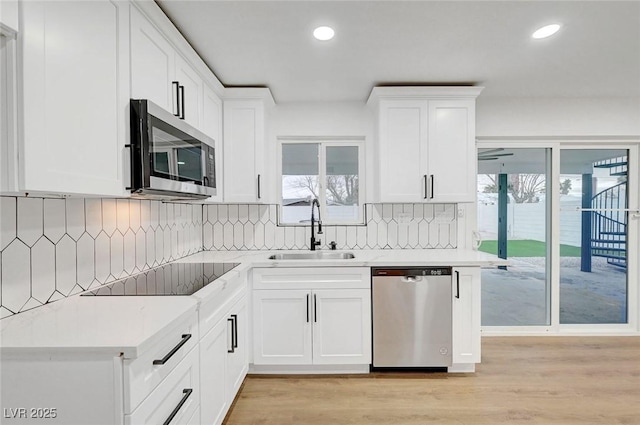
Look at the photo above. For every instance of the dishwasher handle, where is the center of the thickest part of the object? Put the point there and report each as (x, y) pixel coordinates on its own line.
(411, 279)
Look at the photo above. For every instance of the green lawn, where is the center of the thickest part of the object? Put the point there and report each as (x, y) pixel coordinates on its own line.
(528, 248)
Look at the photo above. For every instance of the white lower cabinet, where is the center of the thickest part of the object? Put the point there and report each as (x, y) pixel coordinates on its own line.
(237, 361)
(223, 350)
(466, 316)
(175, 400)
(213, 359)
(85, 387)
(325, 322)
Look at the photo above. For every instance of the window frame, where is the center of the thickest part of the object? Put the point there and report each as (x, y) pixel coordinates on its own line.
(323, 143)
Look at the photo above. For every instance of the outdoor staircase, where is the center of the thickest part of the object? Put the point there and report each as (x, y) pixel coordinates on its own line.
(609, 220)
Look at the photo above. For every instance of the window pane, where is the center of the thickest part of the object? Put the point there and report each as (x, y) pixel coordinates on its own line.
(342, 183)
(300, 181)
(512, 220)
(593, 275)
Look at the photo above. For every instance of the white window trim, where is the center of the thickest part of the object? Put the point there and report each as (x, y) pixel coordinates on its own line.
(633, 244)
(325, 142)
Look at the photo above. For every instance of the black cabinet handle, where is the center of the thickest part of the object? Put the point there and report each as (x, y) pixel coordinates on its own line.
(315, 309)
(259, 194)
(175, 349)
(424, 178)
(233, 348)
(307, 308)
(182, 102)
(234, 338)
(187, 392)
(457, 284)
(432, 180)
(176, 86)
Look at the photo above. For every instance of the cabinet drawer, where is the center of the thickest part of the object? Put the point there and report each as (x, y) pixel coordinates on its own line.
(312, 278)
(177, 396)
(214, 307)
(143, 374)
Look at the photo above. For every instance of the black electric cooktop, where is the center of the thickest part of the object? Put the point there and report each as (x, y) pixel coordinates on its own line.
(170, 279)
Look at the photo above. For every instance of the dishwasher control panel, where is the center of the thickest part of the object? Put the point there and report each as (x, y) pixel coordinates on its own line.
(408, 271)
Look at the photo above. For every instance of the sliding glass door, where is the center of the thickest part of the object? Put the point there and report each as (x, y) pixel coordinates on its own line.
(594, 223)
(513, 211)
(562, 215)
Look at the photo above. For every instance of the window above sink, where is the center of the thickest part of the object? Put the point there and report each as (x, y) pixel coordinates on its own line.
(329, 170)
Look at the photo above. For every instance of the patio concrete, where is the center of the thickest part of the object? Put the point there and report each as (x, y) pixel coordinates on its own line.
(516, 296)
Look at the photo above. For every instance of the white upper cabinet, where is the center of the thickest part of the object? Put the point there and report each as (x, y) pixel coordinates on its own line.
(190, 93)
(212, 126)
(244, 126)
(425, 143)
(402, 150)
(75, 90)
(152, 63)
(166, 70)
(451, 162)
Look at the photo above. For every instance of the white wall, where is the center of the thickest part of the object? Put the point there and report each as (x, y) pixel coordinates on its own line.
(530, 117)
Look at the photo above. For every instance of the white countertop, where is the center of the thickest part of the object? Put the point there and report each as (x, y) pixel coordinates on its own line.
(112, 325)
(96, 325)
(363, 258)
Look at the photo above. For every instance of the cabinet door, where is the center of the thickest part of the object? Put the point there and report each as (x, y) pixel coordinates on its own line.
(342, 326)
(237, 361)
(152, 63)
(212, 126)
(281, 327)
(466, 315)
(452, 153)
(213, 363)
(191, 92)
(243, 151)
(75, 89)
(402, 151)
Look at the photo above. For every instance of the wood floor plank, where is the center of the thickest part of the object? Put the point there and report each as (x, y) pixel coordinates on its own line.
(521, 380)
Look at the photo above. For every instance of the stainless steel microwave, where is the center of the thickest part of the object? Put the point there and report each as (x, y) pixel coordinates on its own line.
(169, 158)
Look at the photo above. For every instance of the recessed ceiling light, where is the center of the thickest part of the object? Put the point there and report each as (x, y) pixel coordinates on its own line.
(546, 31)
(323, 33)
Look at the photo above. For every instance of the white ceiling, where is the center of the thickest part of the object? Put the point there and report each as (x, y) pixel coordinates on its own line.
(488, 43)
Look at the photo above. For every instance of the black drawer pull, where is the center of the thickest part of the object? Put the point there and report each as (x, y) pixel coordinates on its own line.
(187, 392)
(166, 358)
(233, 326)
(234, 342)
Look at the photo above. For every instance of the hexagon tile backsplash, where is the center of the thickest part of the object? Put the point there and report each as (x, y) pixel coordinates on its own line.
(53, 248)
(388, 226)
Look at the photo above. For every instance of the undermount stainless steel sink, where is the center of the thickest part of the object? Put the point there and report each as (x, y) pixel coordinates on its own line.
(313, 256)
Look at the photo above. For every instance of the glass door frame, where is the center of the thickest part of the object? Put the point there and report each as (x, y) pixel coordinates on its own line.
(553, 235)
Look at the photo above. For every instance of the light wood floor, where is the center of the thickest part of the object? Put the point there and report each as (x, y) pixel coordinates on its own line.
(522, 380)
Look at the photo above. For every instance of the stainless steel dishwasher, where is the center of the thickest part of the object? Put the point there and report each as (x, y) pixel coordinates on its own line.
(411, 317)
